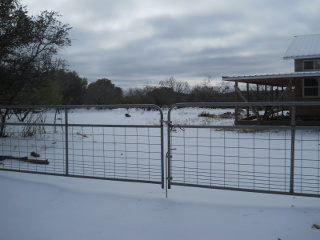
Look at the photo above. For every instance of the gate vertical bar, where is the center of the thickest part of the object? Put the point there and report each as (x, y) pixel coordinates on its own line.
(162, 150)
(293, 139)
(67, 141)
(169, 150)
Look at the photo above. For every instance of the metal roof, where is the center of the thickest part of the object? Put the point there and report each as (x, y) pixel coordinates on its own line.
(304, 46)
(272, 79)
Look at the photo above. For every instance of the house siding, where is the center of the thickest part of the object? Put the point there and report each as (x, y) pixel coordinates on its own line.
(305, 112)
(298, 65)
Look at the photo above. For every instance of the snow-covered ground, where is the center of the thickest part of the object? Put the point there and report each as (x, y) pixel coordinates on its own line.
(52, 207)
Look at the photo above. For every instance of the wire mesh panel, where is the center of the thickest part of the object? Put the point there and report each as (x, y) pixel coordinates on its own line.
(206, 149)
(122, 152)
(118, 142)
(38, 153)
(230, 158)
(307, 162)
(28, 143)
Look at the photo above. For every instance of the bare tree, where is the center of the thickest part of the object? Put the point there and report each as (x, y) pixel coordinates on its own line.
(210, 91)
(177, 86)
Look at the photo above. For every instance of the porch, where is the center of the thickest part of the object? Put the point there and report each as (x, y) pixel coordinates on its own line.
(275, 88)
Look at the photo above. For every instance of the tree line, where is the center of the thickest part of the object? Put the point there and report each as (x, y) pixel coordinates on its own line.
(167, 92)
(170, 91)
(64, 87)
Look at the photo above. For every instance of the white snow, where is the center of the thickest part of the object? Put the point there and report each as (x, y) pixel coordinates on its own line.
(51, 207)
(35, 206)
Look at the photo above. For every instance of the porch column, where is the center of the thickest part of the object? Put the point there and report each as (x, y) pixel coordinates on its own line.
(237, 108)
(248, 98)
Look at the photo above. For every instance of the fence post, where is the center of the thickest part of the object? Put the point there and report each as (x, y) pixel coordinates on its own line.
(169, 150)
(293, 139)
(162, 150)
(66, 140)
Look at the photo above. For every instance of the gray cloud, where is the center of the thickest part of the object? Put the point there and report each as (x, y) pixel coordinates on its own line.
(134, 43)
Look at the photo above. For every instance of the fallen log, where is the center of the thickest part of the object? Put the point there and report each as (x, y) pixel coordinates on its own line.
(25, 159)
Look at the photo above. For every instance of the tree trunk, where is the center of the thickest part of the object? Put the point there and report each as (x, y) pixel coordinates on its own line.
(3, 121)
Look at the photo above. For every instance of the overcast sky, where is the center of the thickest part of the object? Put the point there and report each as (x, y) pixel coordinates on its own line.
(139, 42)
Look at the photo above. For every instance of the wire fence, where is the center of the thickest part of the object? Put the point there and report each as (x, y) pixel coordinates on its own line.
(124, 152)
(205, 148)
(256, 158)
(77, 142)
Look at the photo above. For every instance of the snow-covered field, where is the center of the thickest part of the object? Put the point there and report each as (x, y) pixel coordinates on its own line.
(52, 207)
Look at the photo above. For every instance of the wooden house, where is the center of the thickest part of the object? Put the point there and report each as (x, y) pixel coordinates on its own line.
(301, 85)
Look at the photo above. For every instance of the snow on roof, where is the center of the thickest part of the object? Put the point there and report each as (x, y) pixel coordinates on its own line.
(304, 46)
(282, 79)
(281, 75)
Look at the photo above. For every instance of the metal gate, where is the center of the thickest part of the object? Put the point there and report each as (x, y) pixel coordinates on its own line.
(256, 158)
(58, 140)
(209, 152)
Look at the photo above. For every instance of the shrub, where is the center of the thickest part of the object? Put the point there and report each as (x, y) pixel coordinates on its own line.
(206, 114)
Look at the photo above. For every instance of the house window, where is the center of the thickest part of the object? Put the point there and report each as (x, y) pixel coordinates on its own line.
(311, 65)
(311, 87)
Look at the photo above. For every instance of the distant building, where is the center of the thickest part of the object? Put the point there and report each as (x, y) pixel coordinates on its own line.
(301, 85)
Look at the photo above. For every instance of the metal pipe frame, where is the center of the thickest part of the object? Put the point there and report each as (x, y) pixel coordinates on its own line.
(66, 127)
(292, 128)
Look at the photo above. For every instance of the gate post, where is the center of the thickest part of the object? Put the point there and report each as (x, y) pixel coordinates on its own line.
(66, 141)
(293, 139)
(162, 150)
(169, 156)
